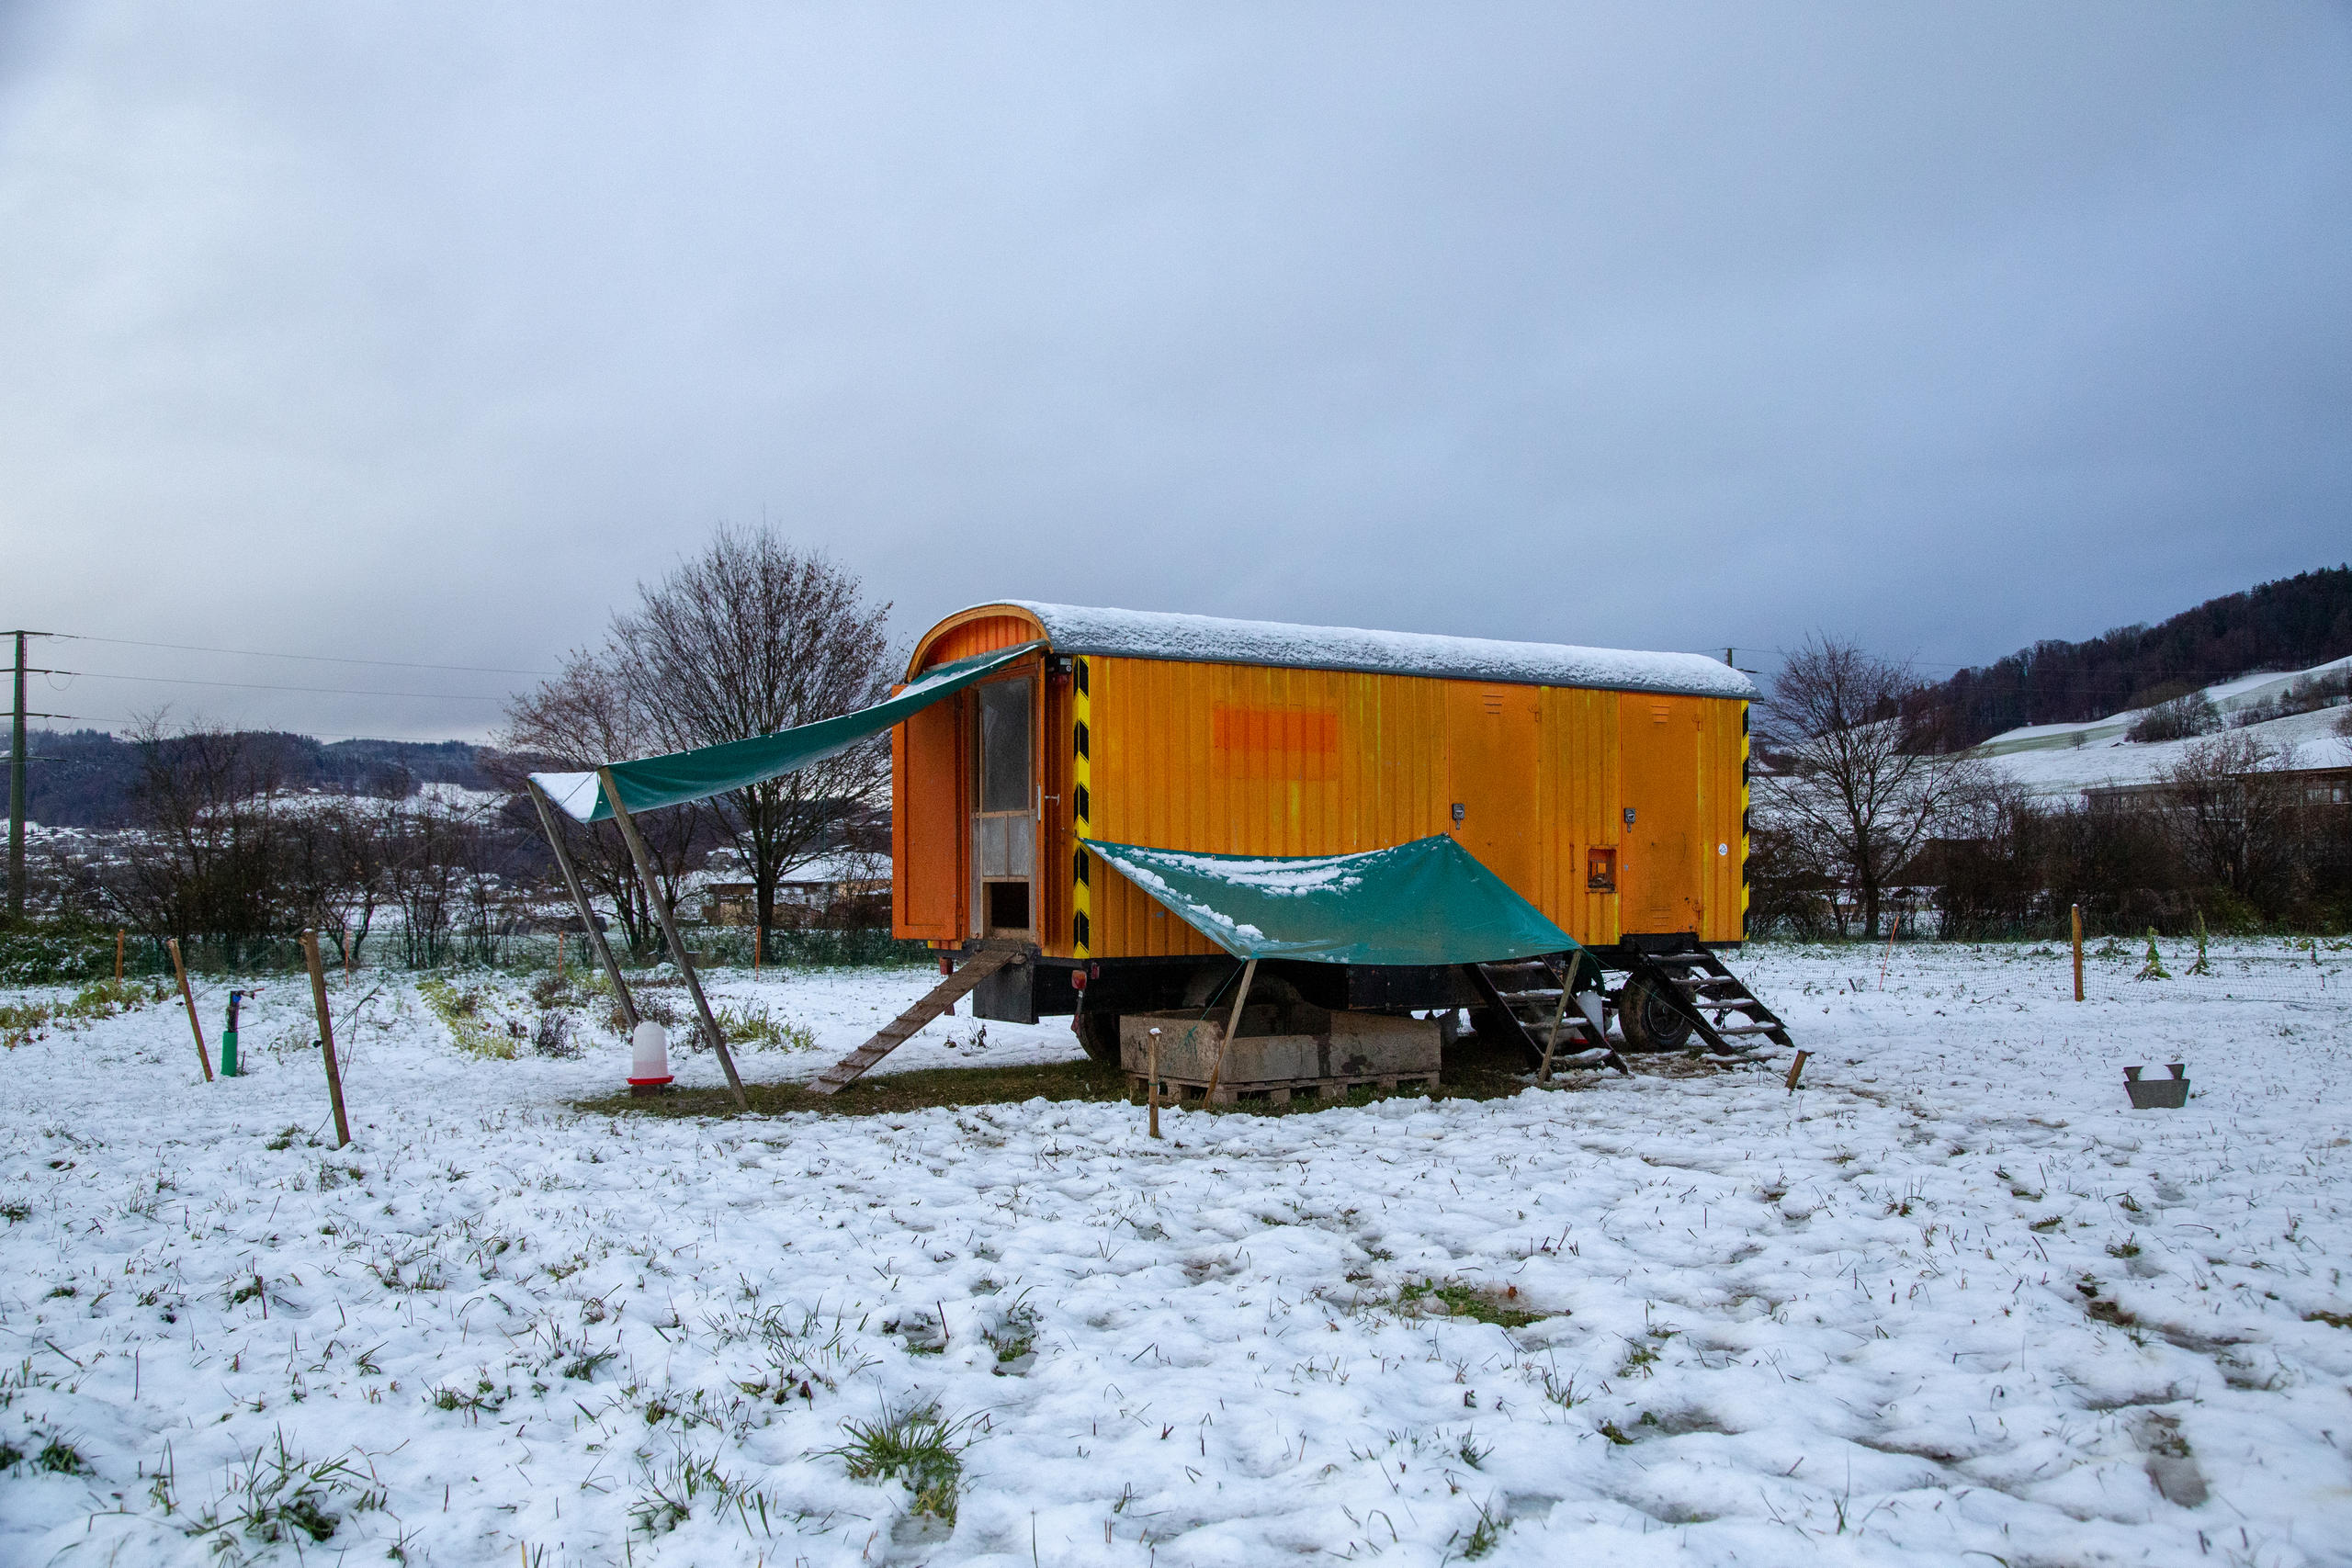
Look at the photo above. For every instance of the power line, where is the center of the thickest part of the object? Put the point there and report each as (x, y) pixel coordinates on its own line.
(313, 658)
(258, 686)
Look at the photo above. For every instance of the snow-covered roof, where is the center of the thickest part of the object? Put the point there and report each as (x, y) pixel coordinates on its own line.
(1213, 640)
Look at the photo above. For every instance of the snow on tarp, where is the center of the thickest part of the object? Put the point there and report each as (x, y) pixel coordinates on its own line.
(1426, 902)
(681, 776)
(1211, 639)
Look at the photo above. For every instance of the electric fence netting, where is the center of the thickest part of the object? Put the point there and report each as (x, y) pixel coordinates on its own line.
(2300, 972)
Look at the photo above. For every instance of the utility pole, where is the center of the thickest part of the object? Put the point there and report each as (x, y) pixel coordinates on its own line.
(16, 783)
(17, 793)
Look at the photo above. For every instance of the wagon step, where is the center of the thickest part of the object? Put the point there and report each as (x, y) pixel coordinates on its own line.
(1528, 1007)
(940, 997)
(1714, 991)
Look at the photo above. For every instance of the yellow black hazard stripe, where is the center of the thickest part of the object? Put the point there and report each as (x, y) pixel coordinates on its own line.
(1082, 778)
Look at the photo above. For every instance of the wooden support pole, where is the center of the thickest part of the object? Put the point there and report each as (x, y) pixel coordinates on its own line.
(1151, 1089)
(644, 859)
(1232, 1024)
(326, 1034)
(346, 956)
(179, 967)
(2079, 952)
(759, 938)
(1567, 984)
(580, 899)
(121, 935)
(1797, 1071)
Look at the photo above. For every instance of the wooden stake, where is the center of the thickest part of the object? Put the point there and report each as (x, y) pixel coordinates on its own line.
(759, 936)
(203, 1058)
(644, 859)
(1232, 1022)
(121, 935)
(326, 1035)
(1797, 1071)
(1151, 1089)
(2079, 952)
(346, 956)
(560, 938)
(580, 899)
(1568, 980)
(1890, 950)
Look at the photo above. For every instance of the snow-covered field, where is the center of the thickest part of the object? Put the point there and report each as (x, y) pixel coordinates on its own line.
(1950, 1302)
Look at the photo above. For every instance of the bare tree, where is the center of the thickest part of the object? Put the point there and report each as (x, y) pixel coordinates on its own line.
(584, 718)
(750, 637)
(212, 839)
(2234, 815)
(1862, 784)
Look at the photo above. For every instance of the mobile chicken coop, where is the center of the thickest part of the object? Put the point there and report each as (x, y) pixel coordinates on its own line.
(1606, 789)
(1120, 816)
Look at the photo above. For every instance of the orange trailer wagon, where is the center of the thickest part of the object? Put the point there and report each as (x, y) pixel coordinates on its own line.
(1606, 787)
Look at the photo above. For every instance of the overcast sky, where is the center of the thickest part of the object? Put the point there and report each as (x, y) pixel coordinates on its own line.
(417, 334)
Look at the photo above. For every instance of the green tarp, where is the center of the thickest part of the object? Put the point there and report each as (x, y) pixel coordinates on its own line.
(1426, 902)
(681, 776)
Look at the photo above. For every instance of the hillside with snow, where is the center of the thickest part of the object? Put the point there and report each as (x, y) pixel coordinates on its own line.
(2066, 759)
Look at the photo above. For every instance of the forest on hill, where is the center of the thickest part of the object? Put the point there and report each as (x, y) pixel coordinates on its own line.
(85, 778)
(2290, 624)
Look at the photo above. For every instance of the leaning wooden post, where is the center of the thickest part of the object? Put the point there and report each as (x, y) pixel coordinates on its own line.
(1567, 983)
(1232, 1024)
(670, 932)
(580, 897)
(179, 967)
(326, 1034)
(2079, 952)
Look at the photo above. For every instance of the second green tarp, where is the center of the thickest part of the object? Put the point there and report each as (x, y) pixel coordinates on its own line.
(1427, 902)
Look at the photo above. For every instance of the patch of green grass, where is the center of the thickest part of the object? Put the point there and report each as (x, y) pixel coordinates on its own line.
(279, 1496)
(1483, 1536)
(917, 1447)
(472, 1030)
(20, 1020)
(14, 1211)
(60, 1457)
(2333, 1319)
(1474, 1070)
(1505, 1308)
(755, 1026)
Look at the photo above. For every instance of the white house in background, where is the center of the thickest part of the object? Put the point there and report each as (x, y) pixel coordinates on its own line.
(808, 889)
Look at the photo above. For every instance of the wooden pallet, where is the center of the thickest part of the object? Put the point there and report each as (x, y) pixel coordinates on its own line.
(1175, 1091)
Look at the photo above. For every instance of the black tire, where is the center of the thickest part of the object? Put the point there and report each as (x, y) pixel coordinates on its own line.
(1649, 1019)
(1099, 1032)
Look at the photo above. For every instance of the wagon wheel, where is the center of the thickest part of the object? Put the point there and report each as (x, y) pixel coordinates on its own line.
(1649, 1018)
(1099, 1032)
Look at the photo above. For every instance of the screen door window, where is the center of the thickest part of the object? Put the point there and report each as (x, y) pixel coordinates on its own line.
(1004, 746)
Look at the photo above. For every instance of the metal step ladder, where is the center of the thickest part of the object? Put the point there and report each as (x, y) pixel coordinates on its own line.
(942, 997)
(1524, 999)
(1710, 995)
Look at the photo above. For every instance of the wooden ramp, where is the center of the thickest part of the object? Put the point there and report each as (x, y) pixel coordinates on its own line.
(942, 997)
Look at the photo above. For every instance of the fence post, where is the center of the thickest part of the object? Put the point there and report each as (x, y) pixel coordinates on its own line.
(2079, 952)
(326, 1034)
(179, 967)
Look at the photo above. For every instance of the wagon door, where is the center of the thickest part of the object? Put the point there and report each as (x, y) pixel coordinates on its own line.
(1004, 820)
(1490, 749)
(1658, 740)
